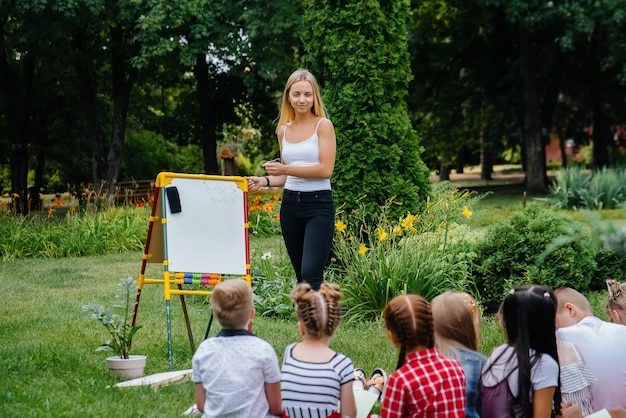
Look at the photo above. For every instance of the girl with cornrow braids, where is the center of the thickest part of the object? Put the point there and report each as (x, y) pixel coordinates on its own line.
(425, 383)
(314, 378)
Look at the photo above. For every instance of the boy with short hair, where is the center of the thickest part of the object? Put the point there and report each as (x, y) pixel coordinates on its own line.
(600, 343)
(236, 373)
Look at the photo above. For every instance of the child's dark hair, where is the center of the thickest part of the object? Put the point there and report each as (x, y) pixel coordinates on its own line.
(410, 320)
(528, 313)
(319, 311)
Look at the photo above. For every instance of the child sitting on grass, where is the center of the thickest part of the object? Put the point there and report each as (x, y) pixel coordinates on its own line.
(425, 383)
(456, 318)
(236, 373)
(315, 379)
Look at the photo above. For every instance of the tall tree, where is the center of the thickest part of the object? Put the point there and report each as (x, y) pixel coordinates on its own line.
(360, 56)
(17, 67)
(103, 44)
(238, 51)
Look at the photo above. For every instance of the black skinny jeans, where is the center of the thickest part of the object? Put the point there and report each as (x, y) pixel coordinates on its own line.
(307, 220)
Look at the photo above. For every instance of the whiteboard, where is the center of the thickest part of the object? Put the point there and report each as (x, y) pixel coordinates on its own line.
(209, 234)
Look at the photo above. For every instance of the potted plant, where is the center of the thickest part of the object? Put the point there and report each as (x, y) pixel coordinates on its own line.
(118, 322)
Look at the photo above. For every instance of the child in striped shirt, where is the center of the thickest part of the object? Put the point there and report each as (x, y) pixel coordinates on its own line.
(314, 378)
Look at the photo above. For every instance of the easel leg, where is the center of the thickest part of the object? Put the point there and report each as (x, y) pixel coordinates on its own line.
(169, 335)
(208, 327)
(189, 331)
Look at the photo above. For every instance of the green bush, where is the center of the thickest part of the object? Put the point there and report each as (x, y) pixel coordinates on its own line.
(610, 265)
(535, 245)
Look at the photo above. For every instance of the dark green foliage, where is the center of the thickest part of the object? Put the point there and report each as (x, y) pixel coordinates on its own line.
(610, 265)
(358, 51)
(535, 245)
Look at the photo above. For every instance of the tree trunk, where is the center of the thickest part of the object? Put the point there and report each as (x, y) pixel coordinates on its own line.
(563, 150)
(486, 159)
(89, 104)
(106, 161)
(444, 171)
(18, 96)
(600, 128)
(207, 116)
(34, 192)
(124, 76)
(461, 154)
(536, 181)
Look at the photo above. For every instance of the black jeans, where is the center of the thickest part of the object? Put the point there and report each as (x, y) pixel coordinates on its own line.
(307, 220)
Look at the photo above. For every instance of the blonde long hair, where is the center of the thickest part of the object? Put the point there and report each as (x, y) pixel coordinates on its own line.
(287, 114)
(456, 318)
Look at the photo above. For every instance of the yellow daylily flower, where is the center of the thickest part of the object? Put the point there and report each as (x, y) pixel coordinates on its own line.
(466, 212)
(363, 249)
(382, 235)
(408, 221)
(397, 231)
(340, 226)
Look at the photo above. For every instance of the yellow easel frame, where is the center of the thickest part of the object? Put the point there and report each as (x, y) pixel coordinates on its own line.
(156, 251)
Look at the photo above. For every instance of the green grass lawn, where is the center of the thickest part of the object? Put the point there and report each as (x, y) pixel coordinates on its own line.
(47, 355)
(49, 366)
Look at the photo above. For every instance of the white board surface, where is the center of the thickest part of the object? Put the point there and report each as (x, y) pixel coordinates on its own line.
(209, 234)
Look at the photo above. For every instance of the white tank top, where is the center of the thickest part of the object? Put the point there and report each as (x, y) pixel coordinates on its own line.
(302, 154)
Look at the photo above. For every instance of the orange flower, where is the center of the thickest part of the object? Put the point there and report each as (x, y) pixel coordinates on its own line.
(268, 207)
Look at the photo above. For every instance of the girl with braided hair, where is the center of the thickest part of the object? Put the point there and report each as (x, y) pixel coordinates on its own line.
(425, 383)
(314, 378)
(616, 302)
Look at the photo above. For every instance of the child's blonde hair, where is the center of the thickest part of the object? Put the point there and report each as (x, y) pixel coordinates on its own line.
(319, 312)
(456, 318)
(410, 320)
(232, 303)
(616, 299)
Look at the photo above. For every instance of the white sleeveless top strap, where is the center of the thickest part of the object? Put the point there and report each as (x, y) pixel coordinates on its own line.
(303, 154)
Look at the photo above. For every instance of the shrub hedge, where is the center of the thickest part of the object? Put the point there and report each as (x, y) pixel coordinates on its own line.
(535, 245)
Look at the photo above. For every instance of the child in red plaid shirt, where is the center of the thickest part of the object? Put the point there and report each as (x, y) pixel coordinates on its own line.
(425, 383)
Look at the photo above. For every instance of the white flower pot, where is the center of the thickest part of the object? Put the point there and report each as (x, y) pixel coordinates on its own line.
(129, 368)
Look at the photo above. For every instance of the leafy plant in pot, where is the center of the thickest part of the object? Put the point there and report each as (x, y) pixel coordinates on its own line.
(118, 322)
